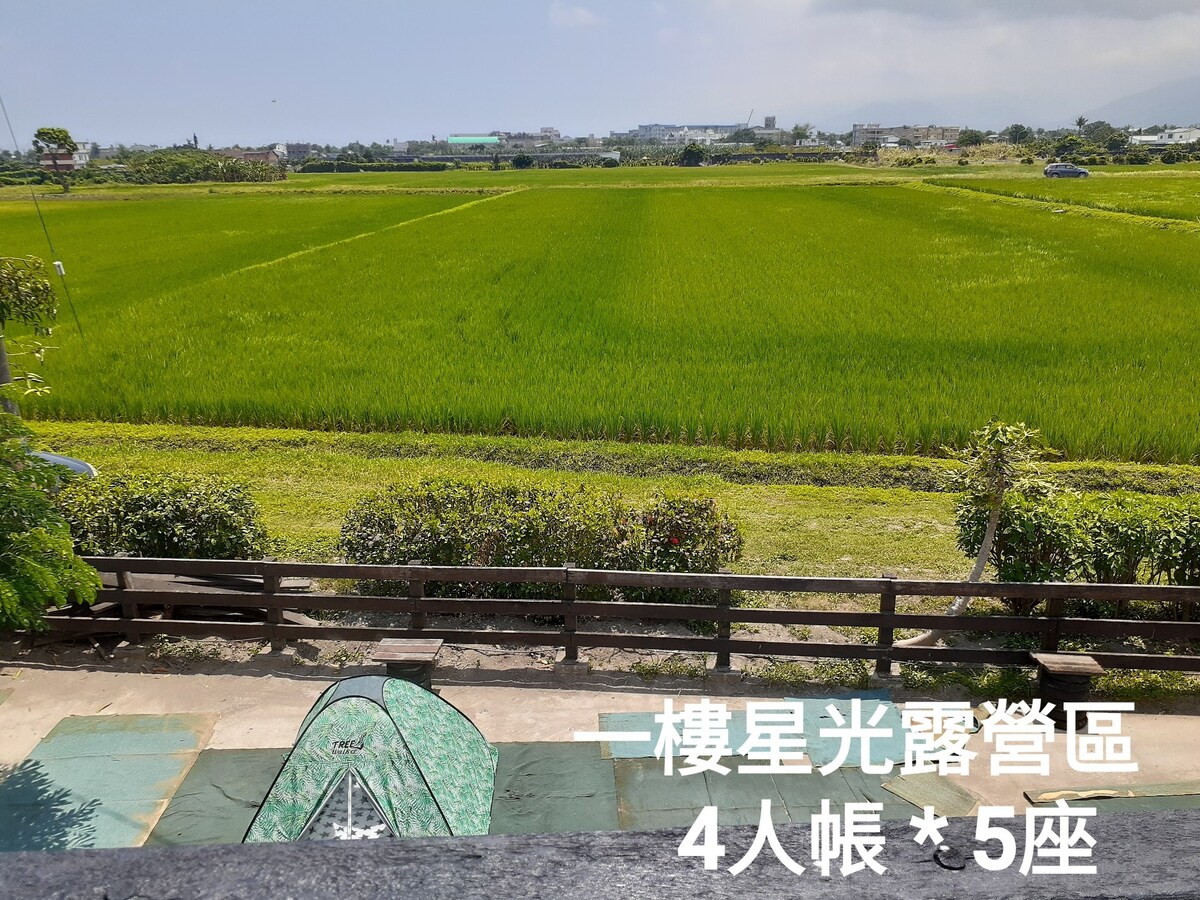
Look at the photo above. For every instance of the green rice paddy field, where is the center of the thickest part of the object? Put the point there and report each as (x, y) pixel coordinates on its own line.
(781, 306)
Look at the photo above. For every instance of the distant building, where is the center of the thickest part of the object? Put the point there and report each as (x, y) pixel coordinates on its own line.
(271, 155)
(297, 153)
(1169, 138)
(676, 134)
(68, 161)
(469, 140)
(916, 135)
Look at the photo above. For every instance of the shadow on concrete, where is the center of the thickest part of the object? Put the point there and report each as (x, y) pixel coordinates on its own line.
(37, 814)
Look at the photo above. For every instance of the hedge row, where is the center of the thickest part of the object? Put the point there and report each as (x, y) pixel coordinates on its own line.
(457, 523)
(342, 166)
(1118, 538)
(439, 522)
(162, 516)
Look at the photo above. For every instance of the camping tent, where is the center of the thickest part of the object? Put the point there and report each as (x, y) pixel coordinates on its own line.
(380, 757)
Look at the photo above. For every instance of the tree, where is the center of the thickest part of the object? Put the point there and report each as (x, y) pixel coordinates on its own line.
(801, 132)
(1000, 458)
(1068, 144)
(691, 155)
(1079, 123)
(26, 296)
(1098, 132)
(1116, 142)
(522, 161)
(55, 141)
(1018, 133)
(38, 565)
(971, 137)
(742, 136)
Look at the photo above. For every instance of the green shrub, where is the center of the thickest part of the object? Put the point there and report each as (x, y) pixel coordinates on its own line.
(1123, 537)
(1039, 538)
(1117, 538)
(1177, 548)
(450, 523)
(38, 567)
(163, 516)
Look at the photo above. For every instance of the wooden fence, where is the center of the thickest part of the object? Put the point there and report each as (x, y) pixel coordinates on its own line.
(163, 606)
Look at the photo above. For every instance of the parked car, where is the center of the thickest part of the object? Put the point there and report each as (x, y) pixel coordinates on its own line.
(1065, 170)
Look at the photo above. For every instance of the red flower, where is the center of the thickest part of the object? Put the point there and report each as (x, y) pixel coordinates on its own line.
(674, 541)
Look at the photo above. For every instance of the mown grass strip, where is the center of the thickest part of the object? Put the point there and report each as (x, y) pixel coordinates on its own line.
(1073, 206)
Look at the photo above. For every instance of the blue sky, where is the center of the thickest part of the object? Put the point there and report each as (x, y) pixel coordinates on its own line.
(339, 70)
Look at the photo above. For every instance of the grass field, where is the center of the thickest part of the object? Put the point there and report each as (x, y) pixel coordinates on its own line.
(786, 313)
(1171, 195)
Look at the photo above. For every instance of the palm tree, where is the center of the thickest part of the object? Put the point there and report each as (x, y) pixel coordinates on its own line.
(1079, 123)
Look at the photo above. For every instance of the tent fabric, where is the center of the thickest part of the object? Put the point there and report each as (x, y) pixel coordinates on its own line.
(386, 743)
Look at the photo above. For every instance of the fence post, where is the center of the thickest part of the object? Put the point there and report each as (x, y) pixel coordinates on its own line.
(724, 601)
(275, 612)
(129, 609)
(887, 607)
(416, 591)
(1054, 609)
(570, 620)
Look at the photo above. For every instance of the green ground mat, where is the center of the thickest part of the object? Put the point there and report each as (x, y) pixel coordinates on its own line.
(930, 789)
(553, 787)
(543, 788)
(98, 781)
(1123, 797)
(218, 798)
(821, 750)
(649, 799)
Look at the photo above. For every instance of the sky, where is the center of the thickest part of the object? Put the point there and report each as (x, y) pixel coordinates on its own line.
(159, 71)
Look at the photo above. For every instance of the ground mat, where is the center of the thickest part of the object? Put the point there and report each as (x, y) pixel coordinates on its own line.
(98, 781)
(218, 798)
(1124, 797)
(930, 789)
(553, 787)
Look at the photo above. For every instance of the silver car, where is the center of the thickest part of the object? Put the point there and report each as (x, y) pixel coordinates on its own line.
(1065, 170)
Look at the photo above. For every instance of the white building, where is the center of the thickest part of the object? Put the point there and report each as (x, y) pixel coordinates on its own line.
(1169, 138)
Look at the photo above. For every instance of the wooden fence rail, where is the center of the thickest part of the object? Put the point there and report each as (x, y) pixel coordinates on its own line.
(127, 609)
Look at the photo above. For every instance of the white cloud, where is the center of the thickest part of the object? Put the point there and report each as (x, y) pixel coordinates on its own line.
(563, 16)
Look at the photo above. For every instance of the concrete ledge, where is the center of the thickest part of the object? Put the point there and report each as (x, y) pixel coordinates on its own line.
(276, 659)
(723, 676)
(1144, 855)
(571, 670)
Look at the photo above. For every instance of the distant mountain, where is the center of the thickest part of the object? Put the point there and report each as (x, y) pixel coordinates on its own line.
(1176, 102)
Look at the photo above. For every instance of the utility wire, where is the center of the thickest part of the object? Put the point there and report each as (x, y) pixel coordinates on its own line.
(62, 275)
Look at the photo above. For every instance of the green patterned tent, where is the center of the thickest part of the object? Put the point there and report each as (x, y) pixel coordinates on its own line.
(380, 757)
